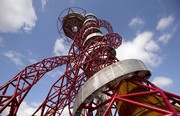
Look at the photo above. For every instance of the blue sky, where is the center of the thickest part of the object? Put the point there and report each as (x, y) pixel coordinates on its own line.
(150, 31)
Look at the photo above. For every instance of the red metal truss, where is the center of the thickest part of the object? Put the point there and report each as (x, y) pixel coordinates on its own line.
(65, 89)
(106, 25)
(15, 90)
(138, 98)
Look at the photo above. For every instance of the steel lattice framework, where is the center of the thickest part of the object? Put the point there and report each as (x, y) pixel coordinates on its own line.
(95, 82)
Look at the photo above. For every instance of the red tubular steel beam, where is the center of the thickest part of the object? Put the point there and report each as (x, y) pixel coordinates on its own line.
(169, 105)
(105, 24)
(144, 105)
(172, 95)
(139, 93)
(110, 104)
(24, 81)
(163, 94)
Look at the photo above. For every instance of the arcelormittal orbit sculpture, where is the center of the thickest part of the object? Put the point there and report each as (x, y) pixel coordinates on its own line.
(95, 82)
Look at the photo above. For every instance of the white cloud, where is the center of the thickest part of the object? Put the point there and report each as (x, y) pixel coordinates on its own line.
(31, 57)
(65, 111)
(61, 47)
(25, 109)
(164, 23)
(162, 81)
(165, 37)
(5, 112)
(43, 3)
(19, 59)
(16, 14)
(136, 21)
(14, 57)
(142, 47)
(55, 73)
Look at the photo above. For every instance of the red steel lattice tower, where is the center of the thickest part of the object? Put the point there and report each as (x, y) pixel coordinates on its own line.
(95, 82)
